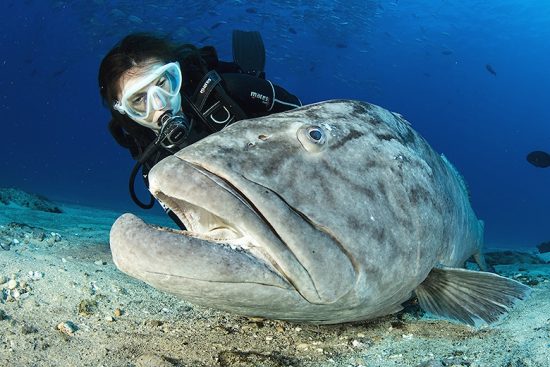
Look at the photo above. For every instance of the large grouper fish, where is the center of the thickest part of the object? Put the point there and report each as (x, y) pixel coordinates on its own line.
(334, 212)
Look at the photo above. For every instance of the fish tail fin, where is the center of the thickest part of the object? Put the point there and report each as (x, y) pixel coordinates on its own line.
(472, 297)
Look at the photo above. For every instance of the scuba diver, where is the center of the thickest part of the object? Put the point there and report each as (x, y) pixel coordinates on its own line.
(539, 159)
(164, 96)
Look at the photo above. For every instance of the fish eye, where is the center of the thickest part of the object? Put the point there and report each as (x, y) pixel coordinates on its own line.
(312, 138)
(316, 134)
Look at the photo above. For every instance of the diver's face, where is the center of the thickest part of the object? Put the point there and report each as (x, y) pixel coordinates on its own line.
(149, 105)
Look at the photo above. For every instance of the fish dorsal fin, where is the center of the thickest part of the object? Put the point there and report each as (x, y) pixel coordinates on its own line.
(457, 174)
(469, 296)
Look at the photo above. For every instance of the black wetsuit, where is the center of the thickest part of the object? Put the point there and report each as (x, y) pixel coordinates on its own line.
(255, 96)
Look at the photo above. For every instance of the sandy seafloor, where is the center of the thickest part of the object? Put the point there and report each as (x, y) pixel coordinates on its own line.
(59, 269)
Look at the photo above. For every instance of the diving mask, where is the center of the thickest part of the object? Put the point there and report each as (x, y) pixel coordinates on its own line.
(158, 89)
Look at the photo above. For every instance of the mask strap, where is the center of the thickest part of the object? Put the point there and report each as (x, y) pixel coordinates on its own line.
(117, 106)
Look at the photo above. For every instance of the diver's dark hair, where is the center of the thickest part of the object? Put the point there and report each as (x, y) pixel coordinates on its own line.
(133, 50)
(137, 48)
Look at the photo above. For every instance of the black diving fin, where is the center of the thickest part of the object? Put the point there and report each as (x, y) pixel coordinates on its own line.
(249, 52)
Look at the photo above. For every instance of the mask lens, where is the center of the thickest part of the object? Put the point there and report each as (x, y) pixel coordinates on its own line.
(137, 103)
(158, 99)
(171, 80)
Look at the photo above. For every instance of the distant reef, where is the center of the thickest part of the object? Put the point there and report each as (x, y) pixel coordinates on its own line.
(27, 200)
(544, 247)
(512, 257)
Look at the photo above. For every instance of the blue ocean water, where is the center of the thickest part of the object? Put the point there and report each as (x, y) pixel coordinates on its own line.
(424, 59)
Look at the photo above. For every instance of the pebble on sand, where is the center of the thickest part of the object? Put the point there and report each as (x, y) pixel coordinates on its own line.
(67, 327)
(87, 307)
(35, 275)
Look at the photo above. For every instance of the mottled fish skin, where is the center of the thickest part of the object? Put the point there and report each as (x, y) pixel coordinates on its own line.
(340, 231)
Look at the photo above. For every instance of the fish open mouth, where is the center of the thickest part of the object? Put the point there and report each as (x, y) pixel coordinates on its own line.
(201, 223)
(210, 207)
(228, 249)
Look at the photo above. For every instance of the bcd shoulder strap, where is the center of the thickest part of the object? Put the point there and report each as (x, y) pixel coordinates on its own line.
(223, 111)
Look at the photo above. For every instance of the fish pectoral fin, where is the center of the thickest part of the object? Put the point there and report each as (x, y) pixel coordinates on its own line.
(469, 296)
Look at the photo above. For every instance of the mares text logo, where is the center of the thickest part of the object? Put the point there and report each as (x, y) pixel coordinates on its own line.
(261, 97)
(205, 85)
